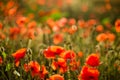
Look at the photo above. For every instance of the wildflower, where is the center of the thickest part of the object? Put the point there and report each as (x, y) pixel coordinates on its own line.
(59, 64)
(14, 31)
(69, 2)
(80, 54)
(34, 67)
(56, 77)
(1, 60)
(99, 28)
(61, 22)
(81, 23)
(32, 24)
(58, 38)
(101, 37)
(19, 54)
(59, 3)
(51, 23)
(52, 51)
(30, 33)
(88, 73)
(71, 21)
(12, 11)
(43, 72)
(93, 60)
(21, 21)
(1, 25)
(2, 35)
(117, 25)
(10, 4)
(75, 65)
(72, 29)
(68, 55)
(41, 2)
(91, 22)
(26, 67)
(111, 36)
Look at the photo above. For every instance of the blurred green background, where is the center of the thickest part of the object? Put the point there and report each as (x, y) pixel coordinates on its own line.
(41, 10)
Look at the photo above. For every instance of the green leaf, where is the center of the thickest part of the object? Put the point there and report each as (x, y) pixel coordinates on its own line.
(8, 67)
(106, 20)
(4, 55)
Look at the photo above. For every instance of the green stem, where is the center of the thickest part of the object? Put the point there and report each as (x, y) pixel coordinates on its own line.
(4, 75)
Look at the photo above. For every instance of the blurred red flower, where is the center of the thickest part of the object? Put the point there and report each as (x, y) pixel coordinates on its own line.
(32, 24)
(111, 36)
(21, 21)
(19, 54)
(93, 60)
(68, 55)
(88, 73)
(58, 38)
(60, 65)
(26, 67)
(34, 67)
(1, 25)
(2, 35)
(99, 28)
(14, 31)
(117, 25)
(101, 37)
(72, 21)
(56, 77)
(43, 72)
(1, 60)
(80, 54)
(52, 51)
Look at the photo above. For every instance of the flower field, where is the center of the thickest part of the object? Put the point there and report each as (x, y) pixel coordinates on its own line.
(55, 46)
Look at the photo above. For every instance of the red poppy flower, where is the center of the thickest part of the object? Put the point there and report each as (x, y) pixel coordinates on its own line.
(41, 2)
(59, 64)
(72, 29)
(68, 55)
(10, 4)
(117, 25)
(12, 11)
(19, 54)
(31, 34)
(14, 31)
(2, 35)
(26, 67)
(111, 36)
(72, 21)
(43, 72)
(93, 60)
(61, 22)
(74, 65)
(21, 21)
(1, 61)
(58, 38)
(99, 28)
(80, 54)
(1, 25)
(32, 24)
(56, 77)
(81, 23)
(101, 37)
(35, 68)
(52, 51)
(88, 73)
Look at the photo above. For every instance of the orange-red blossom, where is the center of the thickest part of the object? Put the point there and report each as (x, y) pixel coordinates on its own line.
(19, 54)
